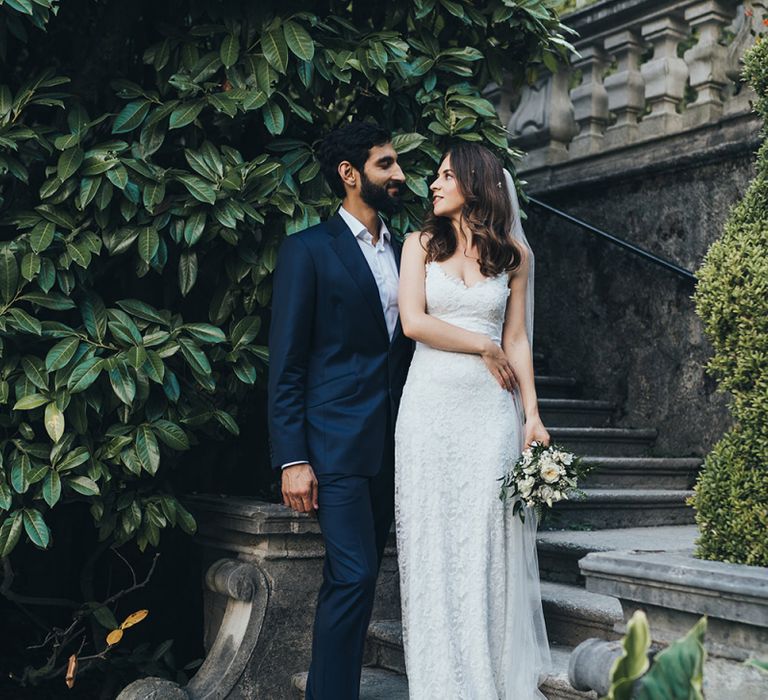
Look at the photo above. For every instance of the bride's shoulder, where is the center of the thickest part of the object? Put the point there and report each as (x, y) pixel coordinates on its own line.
(417, 240)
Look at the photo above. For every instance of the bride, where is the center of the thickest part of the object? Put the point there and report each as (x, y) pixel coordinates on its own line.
(473, 627)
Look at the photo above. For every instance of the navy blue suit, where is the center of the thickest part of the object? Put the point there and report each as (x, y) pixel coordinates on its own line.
(335, 381)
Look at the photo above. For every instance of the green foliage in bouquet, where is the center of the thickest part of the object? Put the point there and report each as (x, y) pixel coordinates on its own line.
(732, 300)
(676, 672)
(152, 158)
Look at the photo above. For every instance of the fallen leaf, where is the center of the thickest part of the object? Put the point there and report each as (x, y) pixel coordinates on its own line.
(114, 637)
(71, 671)
(134, 619)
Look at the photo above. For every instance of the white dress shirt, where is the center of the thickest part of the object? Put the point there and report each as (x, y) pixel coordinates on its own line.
(381, 261)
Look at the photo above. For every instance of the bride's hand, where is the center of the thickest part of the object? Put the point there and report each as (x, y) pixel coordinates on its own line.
(535, 432)
(499, 365)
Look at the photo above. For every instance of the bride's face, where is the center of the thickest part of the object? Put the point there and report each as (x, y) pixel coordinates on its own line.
(447, 199)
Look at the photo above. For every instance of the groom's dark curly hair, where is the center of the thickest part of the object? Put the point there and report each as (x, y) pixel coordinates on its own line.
(351, 142)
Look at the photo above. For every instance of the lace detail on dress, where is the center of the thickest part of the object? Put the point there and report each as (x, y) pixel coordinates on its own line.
(472, 620)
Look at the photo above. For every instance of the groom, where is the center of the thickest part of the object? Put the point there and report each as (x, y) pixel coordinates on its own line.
(338, 362)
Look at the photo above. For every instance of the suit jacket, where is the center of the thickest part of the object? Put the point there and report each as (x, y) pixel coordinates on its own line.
(335, 379)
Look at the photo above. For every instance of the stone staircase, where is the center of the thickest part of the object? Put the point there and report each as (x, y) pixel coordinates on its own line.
(633, 500)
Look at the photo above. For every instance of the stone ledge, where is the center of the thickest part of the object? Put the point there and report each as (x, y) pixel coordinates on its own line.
(727, 591)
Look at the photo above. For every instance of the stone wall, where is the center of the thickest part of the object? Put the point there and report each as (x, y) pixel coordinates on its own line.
(623, 326)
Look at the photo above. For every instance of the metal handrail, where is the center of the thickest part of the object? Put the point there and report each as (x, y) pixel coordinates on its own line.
(681, 271)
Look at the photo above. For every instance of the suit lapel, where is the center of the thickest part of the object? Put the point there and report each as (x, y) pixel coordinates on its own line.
(348, 249)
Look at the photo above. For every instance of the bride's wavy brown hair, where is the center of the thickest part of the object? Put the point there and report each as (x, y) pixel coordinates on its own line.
(487, 211)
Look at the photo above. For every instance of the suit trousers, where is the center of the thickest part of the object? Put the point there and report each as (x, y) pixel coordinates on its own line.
(355, 514)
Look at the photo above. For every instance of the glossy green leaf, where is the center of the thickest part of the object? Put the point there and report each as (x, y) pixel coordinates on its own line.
(30, 401)
(85, 374)
(72, 459)
(54, 421)
(61, 353)
(274, 119)
(230, 50)
(10, 532)
(35, 527)
(185, 114)
(275, 49)
(194, 356)
(299, 41)
(123, 384)
(147, 449)
(41, 236)
(205, 332)
(83, 485)
(30, 266)
(9, 276)
(69, 161)
(148, 243)
(187, 271)
(198, 188)
(52, 487)
(131, 116)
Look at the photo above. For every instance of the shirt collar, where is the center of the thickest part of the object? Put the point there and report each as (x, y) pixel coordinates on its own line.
(359, 229)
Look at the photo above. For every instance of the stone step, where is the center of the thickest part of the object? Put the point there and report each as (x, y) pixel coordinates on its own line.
(638, 472)
(573, 614)
(560, 550)
(555, 387)
(385, 649)
(384, 645)
(575, 412)
(375, 684)
(614, 508)
(613, 442)
(557, 686)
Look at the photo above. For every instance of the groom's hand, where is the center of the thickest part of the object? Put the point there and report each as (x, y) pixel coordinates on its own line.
(300, 488)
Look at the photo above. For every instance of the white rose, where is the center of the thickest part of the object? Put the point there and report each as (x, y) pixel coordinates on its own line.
(546, 494)
(550, 472)
(567, 458)
(525, 486)
(530, 468)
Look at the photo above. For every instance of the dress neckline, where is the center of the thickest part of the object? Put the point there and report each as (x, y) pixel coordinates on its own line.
(461, 282)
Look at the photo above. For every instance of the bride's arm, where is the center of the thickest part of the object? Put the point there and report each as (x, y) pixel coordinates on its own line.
(518, 350)
(419, 325)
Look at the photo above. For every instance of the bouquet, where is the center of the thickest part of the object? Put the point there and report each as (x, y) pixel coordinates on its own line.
(541, 477)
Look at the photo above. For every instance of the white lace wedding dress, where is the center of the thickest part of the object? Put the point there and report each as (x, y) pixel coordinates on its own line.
(473, 627)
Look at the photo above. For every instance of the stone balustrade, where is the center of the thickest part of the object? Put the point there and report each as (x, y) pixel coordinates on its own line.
(647, 69)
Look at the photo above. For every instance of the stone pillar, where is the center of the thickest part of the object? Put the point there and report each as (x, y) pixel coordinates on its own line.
(264, 571)
(707, 60)
(590, 102)
(543, 123)
(625, 87)
(665, 76)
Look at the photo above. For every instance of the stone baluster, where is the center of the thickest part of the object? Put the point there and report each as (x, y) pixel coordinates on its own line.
(590, 102)
(665, 76)
(625, 87)
(543, 123)
(707, 60)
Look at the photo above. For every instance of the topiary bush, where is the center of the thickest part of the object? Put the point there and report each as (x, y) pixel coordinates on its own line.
(731, 496)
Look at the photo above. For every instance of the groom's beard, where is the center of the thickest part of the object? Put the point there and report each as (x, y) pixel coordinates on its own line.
(377, 196)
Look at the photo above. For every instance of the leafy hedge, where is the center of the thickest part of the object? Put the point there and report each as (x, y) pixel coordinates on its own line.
(731, 496)
(142, 205)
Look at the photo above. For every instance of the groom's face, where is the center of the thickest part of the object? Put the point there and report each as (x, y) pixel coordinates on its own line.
(382, 181)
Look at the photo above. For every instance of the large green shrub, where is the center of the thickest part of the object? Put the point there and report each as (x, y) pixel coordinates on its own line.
(142, 205)
(731, 496)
